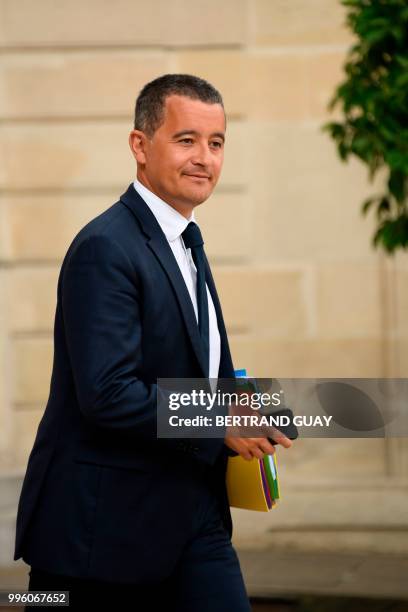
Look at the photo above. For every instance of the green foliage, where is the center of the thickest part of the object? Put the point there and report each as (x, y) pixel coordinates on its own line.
(374, 103)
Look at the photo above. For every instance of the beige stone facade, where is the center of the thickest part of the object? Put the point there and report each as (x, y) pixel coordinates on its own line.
(303, 292)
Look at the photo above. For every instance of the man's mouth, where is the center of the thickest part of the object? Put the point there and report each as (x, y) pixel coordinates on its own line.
(197, 175)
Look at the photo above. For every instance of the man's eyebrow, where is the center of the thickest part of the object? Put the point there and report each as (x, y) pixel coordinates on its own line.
(185, 132)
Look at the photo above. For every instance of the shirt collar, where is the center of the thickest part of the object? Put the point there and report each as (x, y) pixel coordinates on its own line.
(170, 220)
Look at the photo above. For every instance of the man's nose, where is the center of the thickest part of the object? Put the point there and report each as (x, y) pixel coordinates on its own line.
(201, 155)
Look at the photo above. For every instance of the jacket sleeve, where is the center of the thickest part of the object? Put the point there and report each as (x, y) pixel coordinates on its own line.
(102, 321)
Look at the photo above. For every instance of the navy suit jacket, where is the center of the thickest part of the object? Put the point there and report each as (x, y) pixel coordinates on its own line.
(102, 497)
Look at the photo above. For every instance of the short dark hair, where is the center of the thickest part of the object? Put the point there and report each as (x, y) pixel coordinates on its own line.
(150, 103)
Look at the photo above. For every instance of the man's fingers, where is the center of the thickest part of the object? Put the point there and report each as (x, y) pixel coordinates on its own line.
(250, 448)
(239, 445)
(284, 441)
(266, 446)
(257, 451)
(243, 449)
(246, 454)
(260, 447)
(278, 437)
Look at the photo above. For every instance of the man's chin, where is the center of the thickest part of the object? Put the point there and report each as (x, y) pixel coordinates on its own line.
(197, 197)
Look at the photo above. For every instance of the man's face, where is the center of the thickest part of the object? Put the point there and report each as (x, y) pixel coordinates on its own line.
(182, 161)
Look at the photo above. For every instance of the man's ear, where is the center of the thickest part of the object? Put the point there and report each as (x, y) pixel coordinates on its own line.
(137, 143)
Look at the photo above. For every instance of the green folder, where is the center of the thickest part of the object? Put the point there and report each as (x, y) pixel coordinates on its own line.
(271, 470)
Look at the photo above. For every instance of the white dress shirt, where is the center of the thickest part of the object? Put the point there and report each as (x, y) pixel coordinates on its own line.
(173, 225)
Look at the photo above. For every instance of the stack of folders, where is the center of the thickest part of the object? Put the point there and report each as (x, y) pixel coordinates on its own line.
(252, 485)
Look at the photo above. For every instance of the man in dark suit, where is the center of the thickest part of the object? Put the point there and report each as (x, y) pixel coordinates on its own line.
(108, 510)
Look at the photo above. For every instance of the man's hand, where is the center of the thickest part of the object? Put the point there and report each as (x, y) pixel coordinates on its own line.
(244, 441)
(249, 448)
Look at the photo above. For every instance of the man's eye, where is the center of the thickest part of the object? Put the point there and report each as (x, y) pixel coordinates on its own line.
(187, 140)
(217, 144)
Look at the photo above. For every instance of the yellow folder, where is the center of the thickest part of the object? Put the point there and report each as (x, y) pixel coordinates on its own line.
(244, 484)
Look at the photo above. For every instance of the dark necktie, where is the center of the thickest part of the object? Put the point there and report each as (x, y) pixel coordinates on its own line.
(193, 240)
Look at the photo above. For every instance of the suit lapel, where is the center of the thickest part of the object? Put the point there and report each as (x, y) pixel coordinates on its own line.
(159, 245)
(165, 256)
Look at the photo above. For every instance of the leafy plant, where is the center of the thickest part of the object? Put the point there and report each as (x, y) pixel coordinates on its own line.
(374, 102)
